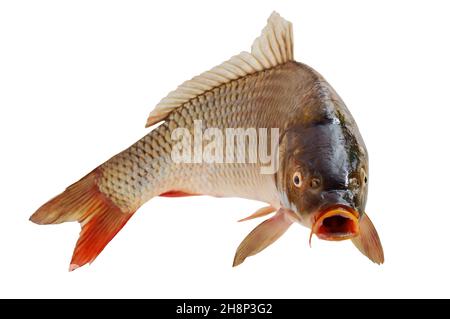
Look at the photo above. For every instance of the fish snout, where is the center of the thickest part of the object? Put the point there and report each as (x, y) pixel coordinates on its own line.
(336, 223)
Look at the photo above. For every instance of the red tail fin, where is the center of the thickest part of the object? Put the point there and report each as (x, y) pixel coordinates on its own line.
(100, 219)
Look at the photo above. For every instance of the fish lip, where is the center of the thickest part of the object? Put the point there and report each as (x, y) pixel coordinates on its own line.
(343, 223)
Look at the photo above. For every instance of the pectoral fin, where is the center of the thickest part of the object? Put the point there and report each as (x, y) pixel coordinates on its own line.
(259, 213)
(368, 241)
(262, 236)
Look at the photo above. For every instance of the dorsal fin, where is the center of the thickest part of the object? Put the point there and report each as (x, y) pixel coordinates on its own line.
(273, 47)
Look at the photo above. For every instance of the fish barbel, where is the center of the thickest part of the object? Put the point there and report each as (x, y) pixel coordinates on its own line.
(317, 174)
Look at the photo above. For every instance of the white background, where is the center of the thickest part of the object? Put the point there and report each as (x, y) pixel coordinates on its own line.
(78, 79)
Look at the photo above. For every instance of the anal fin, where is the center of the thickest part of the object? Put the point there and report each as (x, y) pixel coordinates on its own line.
(175, 193)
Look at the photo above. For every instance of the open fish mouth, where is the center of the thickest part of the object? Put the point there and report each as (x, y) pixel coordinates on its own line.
(336, 223)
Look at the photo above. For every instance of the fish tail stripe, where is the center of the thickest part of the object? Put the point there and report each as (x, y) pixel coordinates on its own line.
(100, 219)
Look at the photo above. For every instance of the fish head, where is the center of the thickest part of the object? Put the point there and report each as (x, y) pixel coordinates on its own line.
(324, 178)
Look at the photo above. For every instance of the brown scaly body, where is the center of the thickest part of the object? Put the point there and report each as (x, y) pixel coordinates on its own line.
(146, 169)
(322, 175)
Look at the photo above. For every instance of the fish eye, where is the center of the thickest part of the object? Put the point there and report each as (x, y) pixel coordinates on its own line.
(297, 179)
(315, 183)
(364, 176)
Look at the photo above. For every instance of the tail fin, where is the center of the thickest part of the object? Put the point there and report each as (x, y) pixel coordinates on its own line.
(100, 219)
